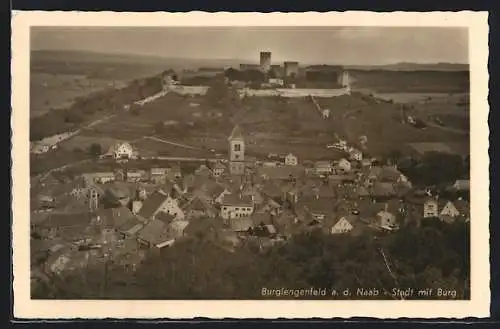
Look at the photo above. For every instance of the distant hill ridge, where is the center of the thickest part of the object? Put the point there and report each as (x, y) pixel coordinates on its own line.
(119, 58)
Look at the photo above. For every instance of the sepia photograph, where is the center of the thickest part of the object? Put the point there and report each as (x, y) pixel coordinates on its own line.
(239, 162)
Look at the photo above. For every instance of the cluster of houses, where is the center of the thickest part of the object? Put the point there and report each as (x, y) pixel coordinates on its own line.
(124, 213)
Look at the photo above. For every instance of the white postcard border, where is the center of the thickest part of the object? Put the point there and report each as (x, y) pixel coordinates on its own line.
(478, 306)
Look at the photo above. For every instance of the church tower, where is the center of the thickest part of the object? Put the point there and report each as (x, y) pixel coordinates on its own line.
(236, 145)
(236, 151)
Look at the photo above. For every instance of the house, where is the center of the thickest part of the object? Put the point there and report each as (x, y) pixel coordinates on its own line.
(217, 193)
(155, 234)
(318, 208)
(135, 175)
(325, 113)
(461, 185)
(431, 208)
(103, 177)
(177, 227)
(234, 206)
(159, 175)
(343, 166)
(250, 190)
(291, 160)
(276, 81)
(39, 148)
(344, 224)
(355, 154)
(68, 226)
(387, 220)
(158, 202)
(323, 167)
(196, 208)
(122, 151)
(218, 170)
(131, 227)
(108, 221)
(450, 210)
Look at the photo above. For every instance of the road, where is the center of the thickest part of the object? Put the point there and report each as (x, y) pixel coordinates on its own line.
(181, 159)
(173, 143)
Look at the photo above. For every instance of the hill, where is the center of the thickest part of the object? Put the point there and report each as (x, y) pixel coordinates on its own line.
(77, 56)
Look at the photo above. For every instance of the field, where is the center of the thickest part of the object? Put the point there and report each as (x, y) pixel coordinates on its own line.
(383, 81)
(82, 142)
(380, 121)
(58, 91)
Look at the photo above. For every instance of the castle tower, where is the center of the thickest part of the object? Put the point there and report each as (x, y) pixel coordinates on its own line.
(265, 61)
(236, 151)
(344, 79)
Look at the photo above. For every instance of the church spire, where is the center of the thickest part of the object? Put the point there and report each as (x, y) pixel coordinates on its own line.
(236, 133)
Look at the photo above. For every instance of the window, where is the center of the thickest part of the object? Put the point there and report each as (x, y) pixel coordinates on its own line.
(237, 147)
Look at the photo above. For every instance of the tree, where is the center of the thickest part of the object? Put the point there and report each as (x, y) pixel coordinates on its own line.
(95, 149)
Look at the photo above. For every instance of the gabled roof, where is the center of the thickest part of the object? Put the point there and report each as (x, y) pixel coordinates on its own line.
(154, 232)
(219, 165)
(60, 220)
(165, 218)
(236, 133)
(114, 217)
(196, 204)
(216, 190)
(131, 227)
(151, 204)
(234, 200)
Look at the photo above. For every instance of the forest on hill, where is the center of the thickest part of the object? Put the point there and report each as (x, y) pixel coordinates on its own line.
(434, 255)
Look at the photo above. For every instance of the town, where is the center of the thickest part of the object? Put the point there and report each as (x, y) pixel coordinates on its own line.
(129, 204)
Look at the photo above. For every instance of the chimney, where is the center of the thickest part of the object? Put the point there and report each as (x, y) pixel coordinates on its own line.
(386, 206)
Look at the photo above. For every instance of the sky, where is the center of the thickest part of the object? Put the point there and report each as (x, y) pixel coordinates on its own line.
(311, 45)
